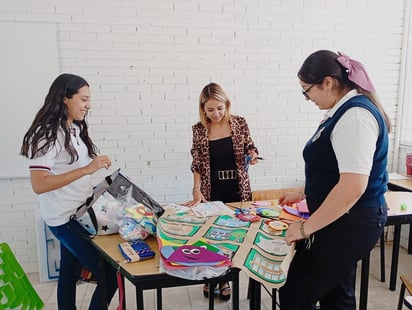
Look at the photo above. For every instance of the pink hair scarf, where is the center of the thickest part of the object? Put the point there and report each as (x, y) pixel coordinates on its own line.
(356, 72)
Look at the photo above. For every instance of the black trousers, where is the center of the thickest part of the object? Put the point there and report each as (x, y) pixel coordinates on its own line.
(326, 271)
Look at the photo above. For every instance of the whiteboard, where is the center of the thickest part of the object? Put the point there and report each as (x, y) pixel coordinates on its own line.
(29, 63)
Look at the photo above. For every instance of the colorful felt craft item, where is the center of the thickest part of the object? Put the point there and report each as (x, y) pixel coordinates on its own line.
(191, 255)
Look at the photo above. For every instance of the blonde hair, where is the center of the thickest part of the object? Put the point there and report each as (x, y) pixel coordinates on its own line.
(216, 92)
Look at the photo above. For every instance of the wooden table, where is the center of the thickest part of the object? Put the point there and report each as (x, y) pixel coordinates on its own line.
(400, 184)
(145, 274)
(397, 218)
(406, 186)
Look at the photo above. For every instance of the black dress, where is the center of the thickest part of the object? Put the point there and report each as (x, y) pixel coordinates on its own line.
(222, 158)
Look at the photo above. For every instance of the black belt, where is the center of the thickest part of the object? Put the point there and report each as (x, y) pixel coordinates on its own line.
(223, 175)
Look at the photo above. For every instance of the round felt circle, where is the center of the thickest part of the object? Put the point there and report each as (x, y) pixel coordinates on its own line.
(269, 212)
(278, 225)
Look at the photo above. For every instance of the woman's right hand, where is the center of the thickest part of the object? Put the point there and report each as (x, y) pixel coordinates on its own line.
(197, 198)
(99, 162)
(290, 198)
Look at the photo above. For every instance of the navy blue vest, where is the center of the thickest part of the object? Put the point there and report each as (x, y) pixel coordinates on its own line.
(321, 166)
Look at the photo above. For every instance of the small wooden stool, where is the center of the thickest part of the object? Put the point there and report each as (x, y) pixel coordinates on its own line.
(406, 284)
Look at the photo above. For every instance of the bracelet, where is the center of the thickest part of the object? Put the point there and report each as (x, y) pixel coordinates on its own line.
(302, 230)
(196, 189)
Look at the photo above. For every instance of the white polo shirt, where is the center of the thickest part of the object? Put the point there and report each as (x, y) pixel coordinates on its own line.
(58, 205)
(354, 137)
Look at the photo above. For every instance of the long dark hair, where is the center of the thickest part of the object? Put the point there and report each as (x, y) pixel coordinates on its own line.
(42, 133)
(324, 63)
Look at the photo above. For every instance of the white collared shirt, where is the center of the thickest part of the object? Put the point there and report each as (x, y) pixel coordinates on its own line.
(58, 205)
(354, 137)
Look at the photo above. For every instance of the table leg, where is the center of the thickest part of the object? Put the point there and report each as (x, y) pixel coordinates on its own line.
(382, 250)
(363, 296)
(139, 298)
(159, 299)
(251, 294)
(235, 291)
(395, 257)
(255, 295)
(102, 269)
(211, 296)
(274, 298)
(410, 240)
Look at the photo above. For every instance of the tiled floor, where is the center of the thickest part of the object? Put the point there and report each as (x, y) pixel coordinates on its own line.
(191, 297)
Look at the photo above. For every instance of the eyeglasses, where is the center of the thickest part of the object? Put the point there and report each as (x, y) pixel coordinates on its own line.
(305, 91)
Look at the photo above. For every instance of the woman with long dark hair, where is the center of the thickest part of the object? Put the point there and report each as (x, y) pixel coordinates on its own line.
(62, 158)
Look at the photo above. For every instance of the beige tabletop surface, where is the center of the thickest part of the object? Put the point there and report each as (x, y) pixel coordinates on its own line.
(395, 199)
(405, 183)
(109, 244)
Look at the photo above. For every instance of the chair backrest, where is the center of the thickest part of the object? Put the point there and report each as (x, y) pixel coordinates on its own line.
(267, 194)
(16, 291)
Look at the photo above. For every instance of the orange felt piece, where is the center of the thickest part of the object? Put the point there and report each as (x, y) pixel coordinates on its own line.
(284, 215)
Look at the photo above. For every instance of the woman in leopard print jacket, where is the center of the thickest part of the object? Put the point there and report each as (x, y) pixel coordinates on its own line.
(221, 142)
(222, 150)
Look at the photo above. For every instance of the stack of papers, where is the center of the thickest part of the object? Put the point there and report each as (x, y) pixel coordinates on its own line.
(212, 208)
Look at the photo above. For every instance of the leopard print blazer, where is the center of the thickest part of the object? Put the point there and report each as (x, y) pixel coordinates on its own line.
(242, 142)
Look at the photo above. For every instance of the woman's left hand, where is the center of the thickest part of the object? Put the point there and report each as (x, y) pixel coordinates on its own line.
(254, 156)
(293, 233)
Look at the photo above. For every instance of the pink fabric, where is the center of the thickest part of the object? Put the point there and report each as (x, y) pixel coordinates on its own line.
(356, 72)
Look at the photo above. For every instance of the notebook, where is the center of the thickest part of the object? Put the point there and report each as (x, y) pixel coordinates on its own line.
(135, 250)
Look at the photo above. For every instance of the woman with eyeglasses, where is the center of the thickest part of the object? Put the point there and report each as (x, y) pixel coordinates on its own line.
(346, 178)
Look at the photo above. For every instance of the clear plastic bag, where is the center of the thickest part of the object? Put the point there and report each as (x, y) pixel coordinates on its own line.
(194, 273)
(108, 212)
(137, 221)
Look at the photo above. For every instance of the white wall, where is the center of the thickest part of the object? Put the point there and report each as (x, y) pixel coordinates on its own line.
(147, 61)
(405, 103)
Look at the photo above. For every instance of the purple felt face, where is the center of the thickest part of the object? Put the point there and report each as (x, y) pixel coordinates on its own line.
(191, 253)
